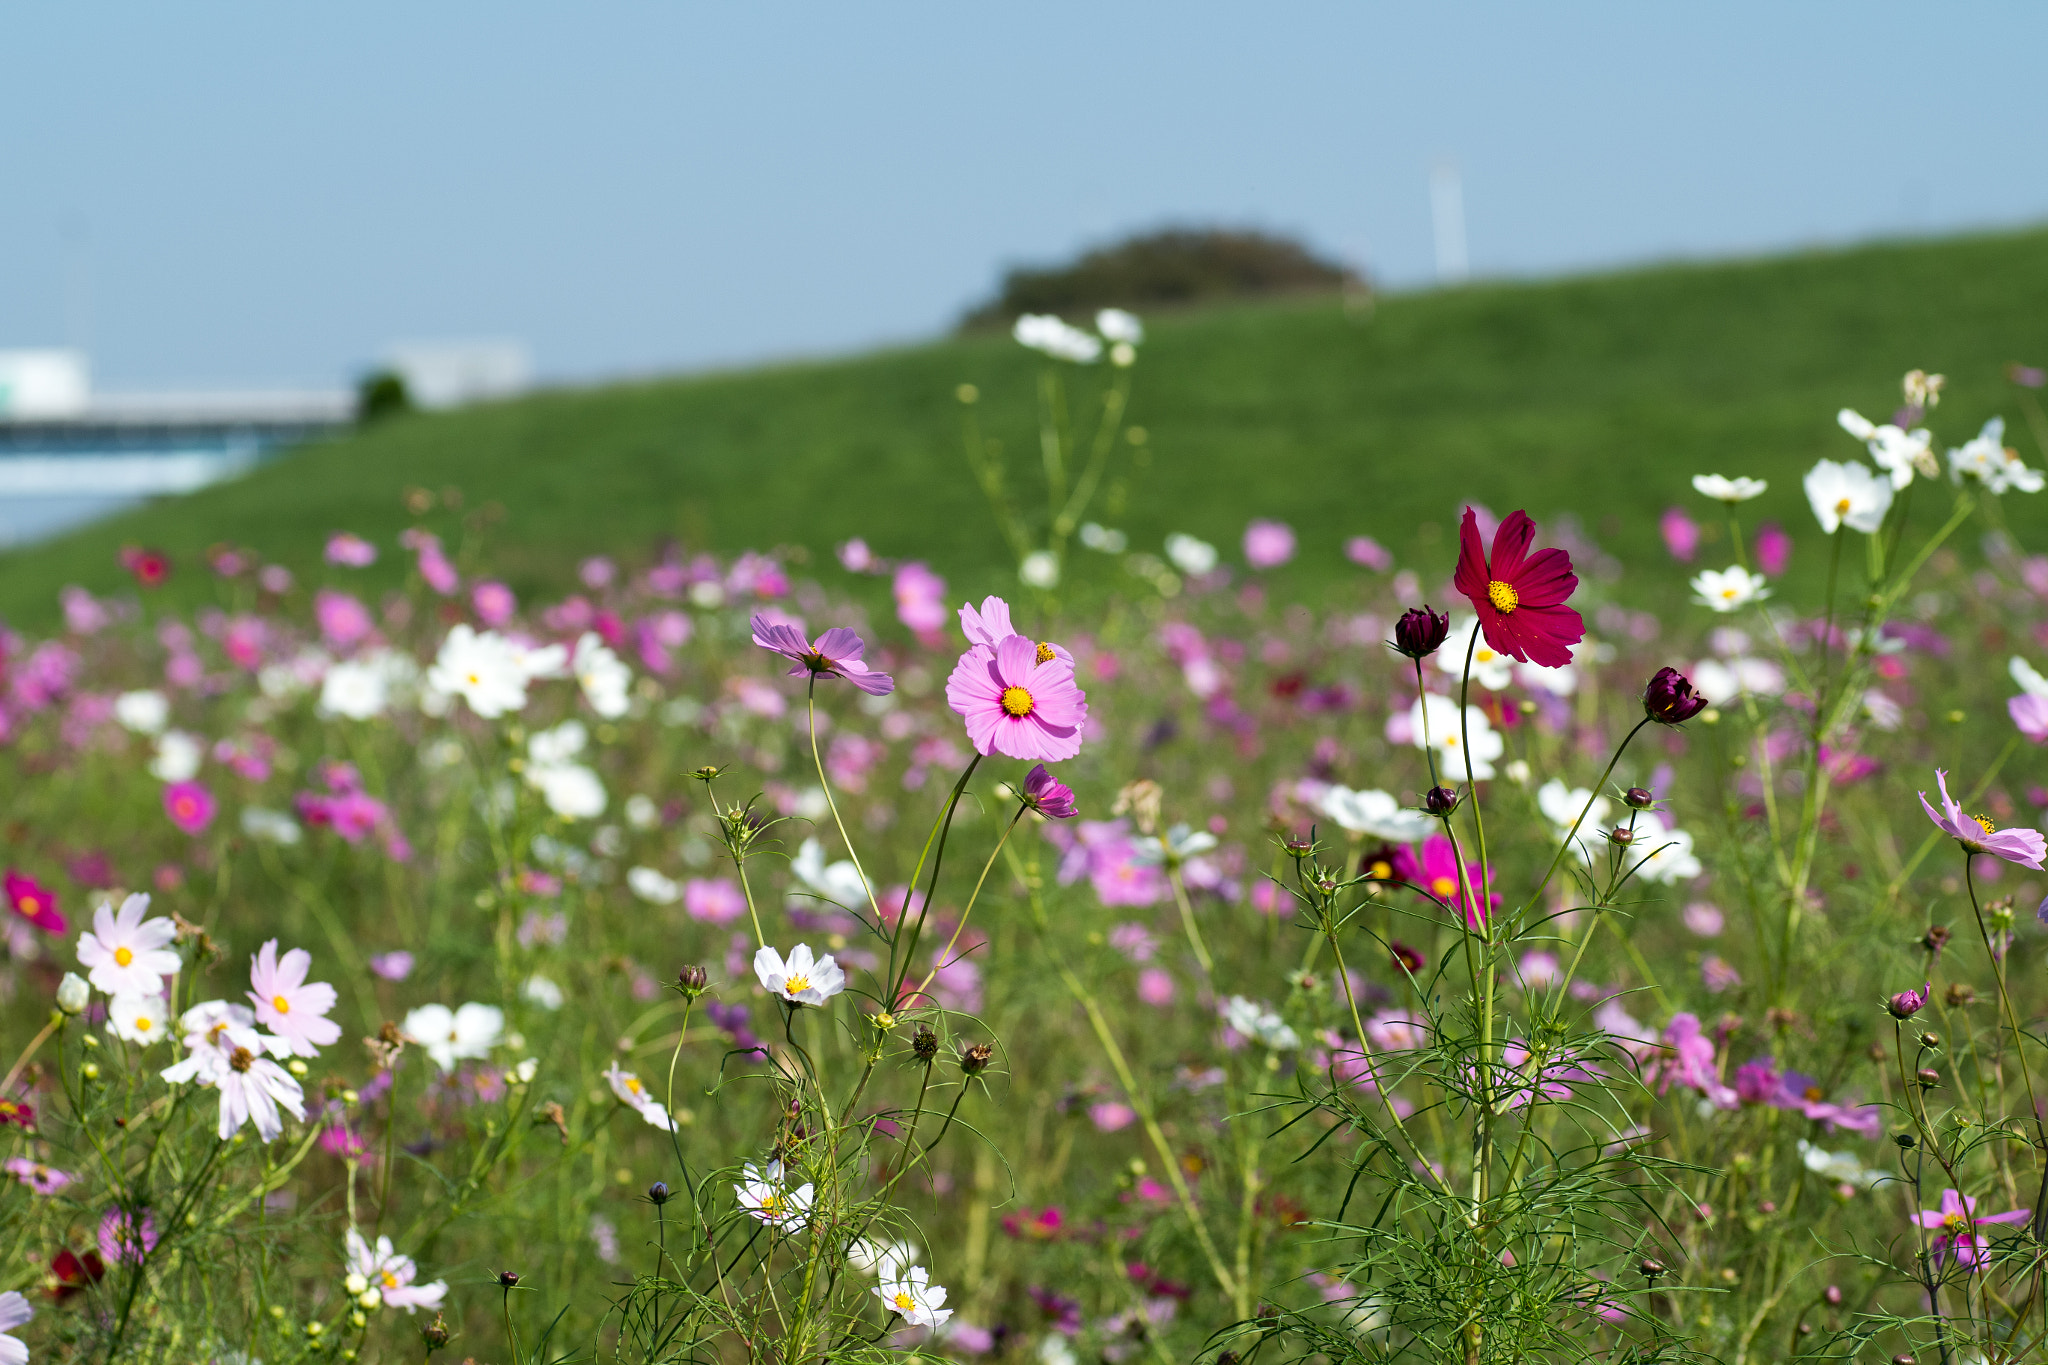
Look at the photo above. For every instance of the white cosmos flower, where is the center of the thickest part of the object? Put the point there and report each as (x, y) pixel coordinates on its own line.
(559, 745)
(652, 886)
(602, 676)
(1116, 325)
(838, 882)
(231, 1057)
(1896, 452)
(1840, 1167)
(1561, 806)
(913, 1297)
(488, 671)
(543, 992)
(570, 790)
(1989, 459)
(880, 1258)
(1727, 681)
(1661, 853)
(1179, 844)
(1561, 681)
(1729, 589)
(449, 1036)
(362, 688)
(1259, 1023)
(766, 1195)
(272, 827)
(1730, 491)
(1491, 669)
(1847, 494)
(1047, 334)
(146, 712)
(14, 1311)
(634, 1094)
(1040, 569)
(1376, 813)
(138, 1018)
(391, 1275)
(800, 978)
(126, 955)
(2028, 677)
(1444, 736)
(1191, 556)
(178, 756)
(1884, 713)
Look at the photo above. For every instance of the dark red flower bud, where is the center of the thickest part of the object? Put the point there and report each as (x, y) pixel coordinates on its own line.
(1421, 632)
(1638, 798)
(1440, 801)
(1670, 700)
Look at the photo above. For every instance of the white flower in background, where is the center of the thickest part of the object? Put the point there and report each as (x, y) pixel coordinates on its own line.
(1661, 853)
(568, 788)
(450, 1036)
(559, 745)
(484, 669)
(1123, 355)
(651, 886)
(1049, 335)
(1179, 844)
(1040, 569)
(1729, 680)
(138, 1018)
(1096, 536)
(1884, 713)
(1729, 589)
(270, 826)
(1445, 736)
(543, 992)
(1896, 452)
(766, 1195)
(14, 1311)
(145, 712)
(914, 1298)
(1191, 556)
(1259, 1023)
(1988, 459)
(1491, 669)
(1730, 491)
(1847, 494)
(838, 882)
(178, 756)
(880, 1258)
(634, 1094)
(125, 955)
(1376, 813)
(1561, 806)
(1117, 325)
(1561, 681)
(1053, 1350)
(389, 1276)
(2028, 677)
(1923, 390)
(602, 676)
(641, 812)
(356, 689)
(1841, 1167)
(800, 978)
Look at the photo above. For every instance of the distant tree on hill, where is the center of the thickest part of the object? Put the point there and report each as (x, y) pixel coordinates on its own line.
(381, 394)
(1169, 268)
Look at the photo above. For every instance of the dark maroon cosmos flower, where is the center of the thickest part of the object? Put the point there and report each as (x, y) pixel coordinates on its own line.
(1520, 597)
(1048, 795)
(1421, 632)
(1670, 700)
(837, 654)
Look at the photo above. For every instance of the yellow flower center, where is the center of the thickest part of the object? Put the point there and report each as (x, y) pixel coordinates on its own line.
(1444, 886)
(280, 1004)
(474, 680)
(1380, 871)
(1812, 1092)
(1984, 822)
(771, 1204)
(796, 984)
(1503, 596)
(123, 956)
(1955, 1225)
(633, 1084)
(904, 1303)
(1045, 654)
(1016, 701)
(1842, 508)
(142, 1023)
(390, 1280)
(1728, 594)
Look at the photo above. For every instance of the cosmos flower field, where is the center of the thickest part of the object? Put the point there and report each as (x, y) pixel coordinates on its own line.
(1476, 967)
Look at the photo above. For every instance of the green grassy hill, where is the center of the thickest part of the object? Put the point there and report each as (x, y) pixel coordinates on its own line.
(1600, 395)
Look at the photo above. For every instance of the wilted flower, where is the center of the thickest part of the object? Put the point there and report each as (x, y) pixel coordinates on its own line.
(1520, 597)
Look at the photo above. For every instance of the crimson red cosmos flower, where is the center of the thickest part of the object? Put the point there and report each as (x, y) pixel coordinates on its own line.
(1520, 597)
(150, 567)
(14, 1111)
(71, 1273)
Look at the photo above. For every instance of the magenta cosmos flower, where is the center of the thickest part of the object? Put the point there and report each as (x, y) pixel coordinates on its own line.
(1019, 700)
(1957, 1223)
(34, 902)
(1048, 795)
(1520, 597)
(2027, 847)
(1439, 877)
(189, 805)
(836, 654)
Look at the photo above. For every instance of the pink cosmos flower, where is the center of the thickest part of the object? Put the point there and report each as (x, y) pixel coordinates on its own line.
(190, 806)
(713, 900)
(1268, 544)
(39, 1178)
(439, 574)
(920, 599)
(991, 625)
(836, 654)
(1439, 877)
(1019, 700)
(1155, 987)
(1957, 1221)
(1692, 1062)
(34, 902)
(350, 550)
(494, 603)
(1110, 1117)
(290, 1006)
(2027, 847)
(122, 1242)
(2030, 713)
(1773, 549)
(392, 966)
(1368, 553)
(1802, 1094)
(342, 619)
(1681, 534)
(1047, 795)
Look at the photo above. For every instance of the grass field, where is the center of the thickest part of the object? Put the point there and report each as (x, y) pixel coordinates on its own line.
(1598, 395)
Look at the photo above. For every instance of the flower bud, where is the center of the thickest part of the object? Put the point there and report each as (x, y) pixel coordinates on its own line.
(1440, 801)
(707, 773)
(372, 1297)
(1651, 1267)
(1906, 1004)
(1928, 1077)
(508, 1278)
(1639, 798)
(354, 1284)
(436, 1333)
(1621, 836)
(1298, 849)
(1670, 700)
(1421, 632)
(658, 1193)
(1930, 1040)
(692, 980)
(1832, 1296)
(1907, 1142)
(73, 994)
(975, 1059)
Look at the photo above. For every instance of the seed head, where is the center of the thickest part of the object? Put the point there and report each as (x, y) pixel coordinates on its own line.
(436, 1333)
(975, 1059)
(924, 1044)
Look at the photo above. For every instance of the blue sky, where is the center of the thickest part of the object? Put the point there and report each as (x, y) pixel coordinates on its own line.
(239, 193)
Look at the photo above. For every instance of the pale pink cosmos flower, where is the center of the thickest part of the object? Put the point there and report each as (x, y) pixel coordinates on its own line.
(392, 966)
(494, 603)
(1019, 700)
(343, 619)
(126, 955)
(230, 1057)
(290, 1006)
(1268, 544)
(2027, 847)
(835, 654)
(2030, 713)
(39, 1178)
(391, 1274)
(991, 625)
(920, 599)
(714, 900)
(350, 550)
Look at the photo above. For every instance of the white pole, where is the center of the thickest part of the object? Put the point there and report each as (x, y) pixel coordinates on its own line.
(1447, 211)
